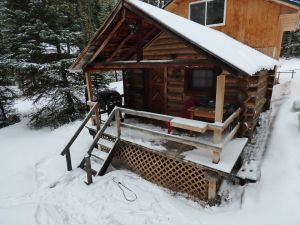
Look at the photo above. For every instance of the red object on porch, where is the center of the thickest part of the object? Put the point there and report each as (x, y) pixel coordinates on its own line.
(184, 113)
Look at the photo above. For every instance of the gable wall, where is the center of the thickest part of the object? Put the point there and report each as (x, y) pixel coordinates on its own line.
(255, 23)
(166, 46)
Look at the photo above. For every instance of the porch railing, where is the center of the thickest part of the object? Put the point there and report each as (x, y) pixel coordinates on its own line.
(215, 148)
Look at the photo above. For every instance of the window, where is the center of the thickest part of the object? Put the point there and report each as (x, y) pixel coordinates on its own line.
(208, 12)
(200, 80)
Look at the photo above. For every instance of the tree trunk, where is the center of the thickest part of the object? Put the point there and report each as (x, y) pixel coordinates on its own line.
(68, 94)
(58, 48)
(3, 111)
(289, 42)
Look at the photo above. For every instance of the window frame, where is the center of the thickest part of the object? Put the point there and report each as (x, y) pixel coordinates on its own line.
(210, 92)
(205, 19)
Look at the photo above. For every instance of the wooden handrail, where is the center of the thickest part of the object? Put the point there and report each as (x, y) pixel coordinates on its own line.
(175, 138)
(230, 135)
(86, 119)
(101, 131)
(149, 115)
(215, 148)
(231, 118)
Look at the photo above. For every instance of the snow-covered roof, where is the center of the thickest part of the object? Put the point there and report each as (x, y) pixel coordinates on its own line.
(212, 41)
(292, 2)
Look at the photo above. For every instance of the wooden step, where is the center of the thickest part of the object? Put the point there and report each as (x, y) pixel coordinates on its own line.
(99, 154)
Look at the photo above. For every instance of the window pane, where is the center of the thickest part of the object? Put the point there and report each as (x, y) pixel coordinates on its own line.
(202, 79)
(215, 12)
(197, 12)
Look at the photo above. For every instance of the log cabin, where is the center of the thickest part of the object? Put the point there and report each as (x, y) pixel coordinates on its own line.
(192, 98)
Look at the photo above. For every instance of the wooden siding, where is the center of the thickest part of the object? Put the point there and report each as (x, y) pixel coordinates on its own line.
(255, 23)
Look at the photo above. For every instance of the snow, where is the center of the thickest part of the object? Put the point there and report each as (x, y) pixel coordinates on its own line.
(217, 43)
(286, 66)
(195, 125)
(255, 149)
(36, 189)
(296, 105)
(117, 86)
(228, 157)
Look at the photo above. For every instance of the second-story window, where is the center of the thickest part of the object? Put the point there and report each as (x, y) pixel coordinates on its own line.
(208, 12)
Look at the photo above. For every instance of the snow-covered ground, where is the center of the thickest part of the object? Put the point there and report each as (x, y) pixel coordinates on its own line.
(36, 189)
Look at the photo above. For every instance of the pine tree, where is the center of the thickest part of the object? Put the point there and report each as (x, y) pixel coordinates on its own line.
(291, 44)
(44, 37)
(40, 40)
(59, 97)
(7, 97)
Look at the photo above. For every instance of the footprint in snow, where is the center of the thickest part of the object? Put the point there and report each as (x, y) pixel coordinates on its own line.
(53, 215)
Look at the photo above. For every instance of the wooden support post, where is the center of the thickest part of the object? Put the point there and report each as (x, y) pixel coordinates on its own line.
(166, 89)
(219, 111)
(88, 169)
(212, 189)
(89, 89)
(139, 44)
(118, 123)
(212, 186)
(216, 156)
(98, 118)
(68, 159)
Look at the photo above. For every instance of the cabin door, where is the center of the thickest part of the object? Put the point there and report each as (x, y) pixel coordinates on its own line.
(157, 82)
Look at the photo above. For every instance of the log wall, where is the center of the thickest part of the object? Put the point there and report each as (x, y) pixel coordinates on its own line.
(251, 93)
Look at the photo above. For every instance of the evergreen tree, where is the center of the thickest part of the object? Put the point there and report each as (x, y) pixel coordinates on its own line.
(291, 44)
(7, 97)
(43, 37)
(59, 96)
(39, 39)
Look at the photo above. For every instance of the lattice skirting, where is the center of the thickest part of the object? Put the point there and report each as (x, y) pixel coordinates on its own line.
(170, 172)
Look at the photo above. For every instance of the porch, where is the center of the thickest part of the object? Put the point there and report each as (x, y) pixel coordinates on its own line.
(181, 161)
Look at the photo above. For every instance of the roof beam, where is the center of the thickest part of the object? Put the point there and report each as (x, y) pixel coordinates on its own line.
(133, 64)
(145, 38)
(100, 31)
(120, 46)
(109, 37)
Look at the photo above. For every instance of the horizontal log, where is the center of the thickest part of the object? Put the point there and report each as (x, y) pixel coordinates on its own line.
(177, 51)
(165, 46)
(146, 64)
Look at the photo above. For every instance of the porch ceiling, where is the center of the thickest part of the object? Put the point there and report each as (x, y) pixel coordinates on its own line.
(120, 38)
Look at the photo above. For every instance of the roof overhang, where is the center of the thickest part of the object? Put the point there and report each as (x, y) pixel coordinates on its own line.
(130, 27)
(290, 3)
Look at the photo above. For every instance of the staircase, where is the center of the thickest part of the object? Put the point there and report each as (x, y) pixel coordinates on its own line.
(96, 161)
